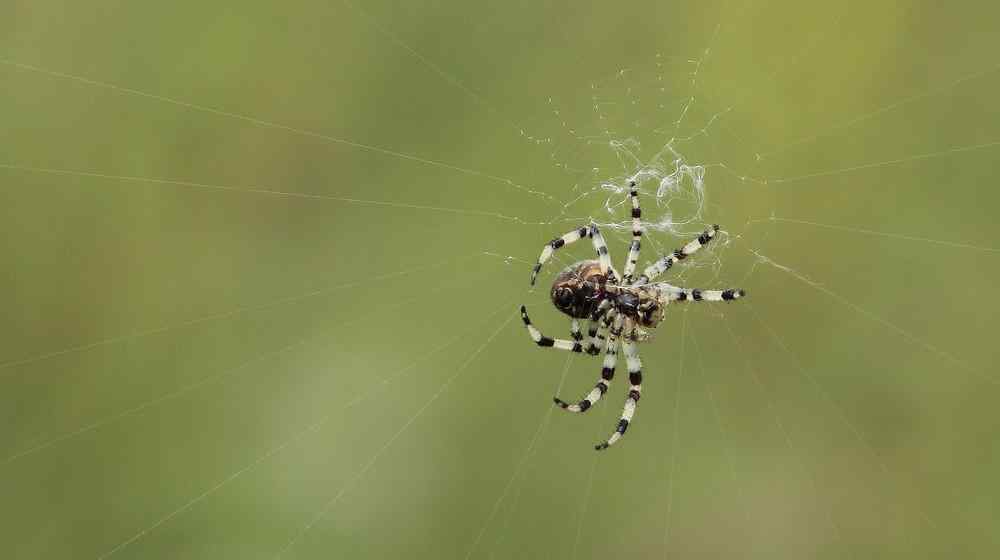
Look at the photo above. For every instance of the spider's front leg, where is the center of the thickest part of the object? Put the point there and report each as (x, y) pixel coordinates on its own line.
(634, 365)
(572, 237)
(633, 250)
(674, 293)
(664, 264)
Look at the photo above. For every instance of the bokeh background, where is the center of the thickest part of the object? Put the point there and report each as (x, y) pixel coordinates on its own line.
(261, 266)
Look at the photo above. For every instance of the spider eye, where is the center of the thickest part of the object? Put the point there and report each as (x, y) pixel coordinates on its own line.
(563, 298)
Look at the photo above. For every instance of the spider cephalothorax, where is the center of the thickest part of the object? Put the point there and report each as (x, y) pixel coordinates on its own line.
(619, 307)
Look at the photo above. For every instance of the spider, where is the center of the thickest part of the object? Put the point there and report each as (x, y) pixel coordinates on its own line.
(619, 307)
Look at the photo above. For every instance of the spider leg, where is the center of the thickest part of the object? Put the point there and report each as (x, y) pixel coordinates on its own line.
(574, 330)
(596, 337)
(634, 365)
(597, 329)
(607, 374)
(542, 340)
(590, 231)
(675, 293)
(662, 265)
(633, 250)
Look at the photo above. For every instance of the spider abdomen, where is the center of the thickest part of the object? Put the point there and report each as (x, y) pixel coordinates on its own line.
(579, 289)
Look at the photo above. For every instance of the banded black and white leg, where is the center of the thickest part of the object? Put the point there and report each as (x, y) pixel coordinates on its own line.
(607, 374)
(633, 250)
(675, 293)
(665, 263)
(596, 336)
(634, 365)
(574, 331)
(548, 342)
(597, 330)
(590, 231)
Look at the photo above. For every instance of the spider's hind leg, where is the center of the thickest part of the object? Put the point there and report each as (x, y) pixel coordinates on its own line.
(597, 336)
(597, 329)
(635, 379)
(607, 374)
(548, 342)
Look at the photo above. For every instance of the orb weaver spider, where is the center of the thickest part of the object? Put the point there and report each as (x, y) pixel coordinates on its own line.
(620, 308)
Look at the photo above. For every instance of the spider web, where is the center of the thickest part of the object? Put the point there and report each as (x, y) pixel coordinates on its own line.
(281, 341)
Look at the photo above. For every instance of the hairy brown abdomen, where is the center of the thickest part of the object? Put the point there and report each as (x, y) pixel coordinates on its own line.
(586, 284)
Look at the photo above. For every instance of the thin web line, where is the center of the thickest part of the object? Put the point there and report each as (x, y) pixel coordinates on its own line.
(272, 125)
(906, 159)
(859, 435)
(587, 493)
(314, 427)
(444, 75)
(908, 336)
(727, 442)
(522, 462)
(583, 507)
(877, 112)
(222, 315)
(263, 191)
(792, 448)
(693, 85)
(675, 438)
(375, 457)
(204, 381)
(450, 79)
(694, 79)
(823, 392)
(800, 55)
(890, 235)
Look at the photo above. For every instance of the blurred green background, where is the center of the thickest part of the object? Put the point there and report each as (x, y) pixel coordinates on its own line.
(261, 265)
